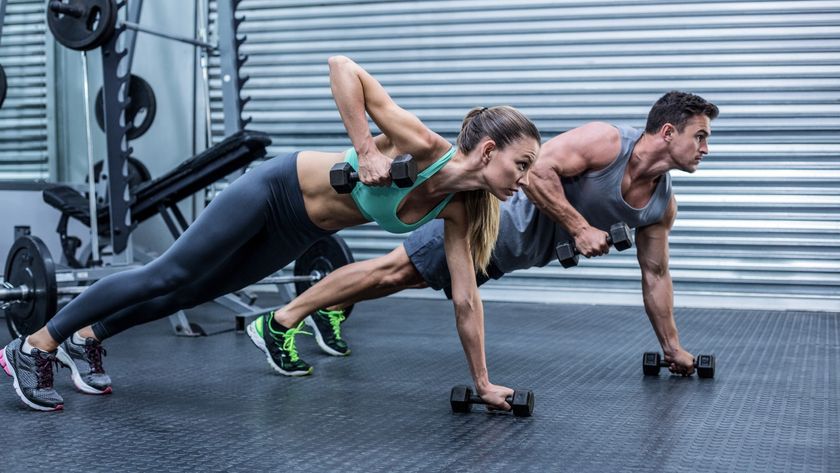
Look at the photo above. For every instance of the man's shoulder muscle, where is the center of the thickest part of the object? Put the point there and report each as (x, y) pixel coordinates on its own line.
(593, 146)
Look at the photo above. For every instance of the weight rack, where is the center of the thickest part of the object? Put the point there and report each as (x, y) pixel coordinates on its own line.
(111, 34)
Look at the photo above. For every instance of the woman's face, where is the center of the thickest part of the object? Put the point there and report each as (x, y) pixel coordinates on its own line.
(507, 168)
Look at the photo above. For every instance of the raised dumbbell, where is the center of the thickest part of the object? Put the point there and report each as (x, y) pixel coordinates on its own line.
(619, 237)
(343, 177)
(704, 364)
(462, 398)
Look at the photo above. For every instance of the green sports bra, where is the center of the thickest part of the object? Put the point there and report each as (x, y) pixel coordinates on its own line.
(379, 204)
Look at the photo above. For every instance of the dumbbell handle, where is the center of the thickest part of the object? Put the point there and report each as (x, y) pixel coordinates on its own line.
(354, 176)
(407, 160)
(577, 252)
(567, 252)
(665, 364)
(475, 399)
(75, 11)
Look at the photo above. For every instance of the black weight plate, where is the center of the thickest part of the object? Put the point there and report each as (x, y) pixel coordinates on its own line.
(29, 263)
(323, 256)
(3, 85)
(93, 28)
(138, 173)
(523, 403)
(650, 363)
(459, 398)
(142, 99)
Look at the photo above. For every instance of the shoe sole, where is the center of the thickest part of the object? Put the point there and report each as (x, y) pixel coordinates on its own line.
(10, 370)
(65, 360)
(260, 343)
(320, 339)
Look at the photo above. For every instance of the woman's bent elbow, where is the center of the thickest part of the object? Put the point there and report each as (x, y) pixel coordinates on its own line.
(338, 61)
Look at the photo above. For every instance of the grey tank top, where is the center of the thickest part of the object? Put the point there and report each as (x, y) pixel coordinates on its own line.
(527, 237)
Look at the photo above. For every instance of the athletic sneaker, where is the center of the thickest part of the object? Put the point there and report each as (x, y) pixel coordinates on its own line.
(279, 346)
(33, 376)
(326, 324)
(85, 362)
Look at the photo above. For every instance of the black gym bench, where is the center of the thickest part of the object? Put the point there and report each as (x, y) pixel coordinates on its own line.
(161, 195)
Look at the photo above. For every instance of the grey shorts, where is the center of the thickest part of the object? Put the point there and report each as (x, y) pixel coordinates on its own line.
(426, 251)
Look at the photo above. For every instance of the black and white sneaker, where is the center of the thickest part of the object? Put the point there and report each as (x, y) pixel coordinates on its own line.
(326, 325)
(85, 363)
(33, 375)
(278, 346)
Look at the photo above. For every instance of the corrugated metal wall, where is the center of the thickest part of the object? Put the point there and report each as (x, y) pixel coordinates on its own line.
(759, 223)
(23, 118)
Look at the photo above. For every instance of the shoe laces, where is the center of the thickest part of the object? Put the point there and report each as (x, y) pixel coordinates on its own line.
(44, 363)
(335, 317)
(288, 344)
(94, 353)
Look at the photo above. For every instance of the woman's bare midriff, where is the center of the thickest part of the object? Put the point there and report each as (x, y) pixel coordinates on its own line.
(326, 208)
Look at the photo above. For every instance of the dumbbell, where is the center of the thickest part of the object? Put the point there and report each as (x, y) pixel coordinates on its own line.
(619, 237)
(462, 398)
(403, 173)
(704, 364)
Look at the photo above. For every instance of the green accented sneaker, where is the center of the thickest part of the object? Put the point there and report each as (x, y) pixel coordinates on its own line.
(279, 346)
(327, 327)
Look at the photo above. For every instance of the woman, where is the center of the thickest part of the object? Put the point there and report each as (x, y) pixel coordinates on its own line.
(269, 216)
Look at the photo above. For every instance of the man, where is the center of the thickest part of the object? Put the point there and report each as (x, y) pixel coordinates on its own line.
(585, 180)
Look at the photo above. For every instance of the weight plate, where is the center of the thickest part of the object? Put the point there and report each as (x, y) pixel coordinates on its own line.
(322, 258)
(3, 85)
(142, 101)
(138, 173)
(91, 26)
(30, 263)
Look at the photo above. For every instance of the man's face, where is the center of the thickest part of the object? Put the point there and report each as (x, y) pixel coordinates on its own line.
(689, 146)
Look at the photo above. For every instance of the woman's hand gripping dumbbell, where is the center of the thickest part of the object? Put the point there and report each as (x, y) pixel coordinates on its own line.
(343, 177)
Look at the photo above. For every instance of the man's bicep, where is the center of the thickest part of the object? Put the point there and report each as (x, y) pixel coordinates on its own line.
(652, 241)
(652, 248)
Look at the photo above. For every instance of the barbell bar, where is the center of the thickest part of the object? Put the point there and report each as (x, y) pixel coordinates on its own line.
(87, 24)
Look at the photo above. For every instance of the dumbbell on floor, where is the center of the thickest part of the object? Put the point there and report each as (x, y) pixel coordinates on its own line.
(462, 398)
(704, 364)
(619, 237)
(343, 177)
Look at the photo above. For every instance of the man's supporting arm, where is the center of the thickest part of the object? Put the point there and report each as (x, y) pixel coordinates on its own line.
(658, 288)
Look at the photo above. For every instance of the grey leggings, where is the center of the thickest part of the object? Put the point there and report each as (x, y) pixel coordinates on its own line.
(256, 226)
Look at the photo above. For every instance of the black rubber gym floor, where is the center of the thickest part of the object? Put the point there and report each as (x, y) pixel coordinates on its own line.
(213, 404)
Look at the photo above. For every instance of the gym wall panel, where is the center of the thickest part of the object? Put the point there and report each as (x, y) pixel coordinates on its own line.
(23, 117)
(759, 222)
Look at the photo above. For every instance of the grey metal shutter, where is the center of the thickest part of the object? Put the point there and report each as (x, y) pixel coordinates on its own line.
(23, 118)
(759, 223)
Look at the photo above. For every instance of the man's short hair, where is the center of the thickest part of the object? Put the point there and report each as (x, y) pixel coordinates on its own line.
(677, 108)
